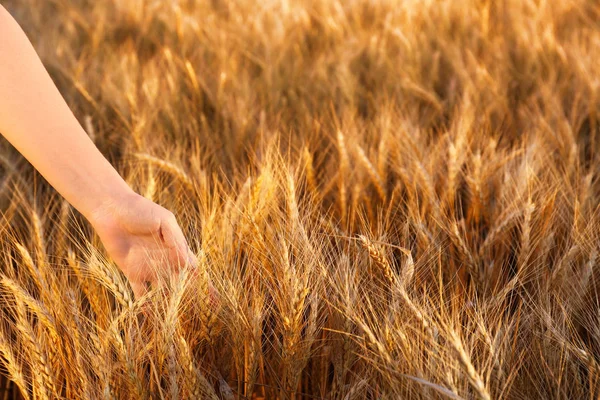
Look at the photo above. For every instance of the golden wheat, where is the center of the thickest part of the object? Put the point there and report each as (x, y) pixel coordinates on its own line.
(392, 199)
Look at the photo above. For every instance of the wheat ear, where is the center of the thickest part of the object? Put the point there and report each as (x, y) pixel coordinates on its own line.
(168, 167)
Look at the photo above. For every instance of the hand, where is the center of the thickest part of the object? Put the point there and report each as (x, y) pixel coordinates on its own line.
(140, 235)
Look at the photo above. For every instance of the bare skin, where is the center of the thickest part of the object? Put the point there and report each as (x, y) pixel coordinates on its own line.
(36, 120)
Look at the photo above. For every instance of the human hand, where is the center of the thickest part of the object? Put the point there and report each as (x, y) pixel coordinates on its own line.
(143, 238)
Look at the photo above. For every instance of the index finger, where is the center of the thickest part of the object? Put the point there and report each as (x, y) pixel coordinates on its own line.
(178, 249)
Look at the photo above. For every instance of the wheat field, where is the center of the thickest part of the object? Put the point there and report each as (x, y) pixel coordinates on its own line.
(394, 199)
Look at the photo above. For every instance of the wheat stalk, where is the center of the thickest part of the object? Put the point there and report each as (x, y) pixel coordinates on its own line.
(310, 172)
(29, 264)
(167, 167)
(35, 306)
(41, 369)
(372, 172)
(344, 165)
(296, 121)
(465, 360)
(13, 366)
(199, 387)
(109, 279)
(379, 260)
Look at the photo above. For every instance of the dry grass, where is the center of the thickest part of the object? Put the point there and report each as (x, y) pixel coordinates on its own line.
(395, 199)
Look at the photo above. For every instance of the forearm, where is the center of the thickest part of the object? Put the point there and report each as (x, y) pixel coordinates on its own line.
(35, 119)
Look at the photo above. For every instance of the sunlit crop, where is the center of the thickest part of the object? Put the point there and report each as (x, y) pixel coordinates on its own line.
(394, 199)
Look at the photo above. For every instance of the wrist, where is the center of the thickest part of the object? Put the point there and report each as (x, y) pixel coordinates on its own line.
(105, 208)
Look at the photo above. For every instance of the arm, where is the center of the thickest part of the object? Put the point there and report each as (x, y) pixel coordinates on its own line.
(36, 120)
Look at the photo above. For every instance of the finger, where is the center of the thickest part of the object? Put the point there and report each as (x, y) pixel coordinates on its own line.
(170, 232)
(173, 239)
(139, 288)
(158, 265)
(192, 260)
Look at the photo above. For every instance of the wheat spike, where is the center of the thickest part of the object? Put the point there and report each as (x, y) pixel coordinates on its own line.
(35, 306)
(109, 279)
(472, 374)
(44, 386)
(13, 366)
(372, 172)
(379, 260)
(168, 167)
